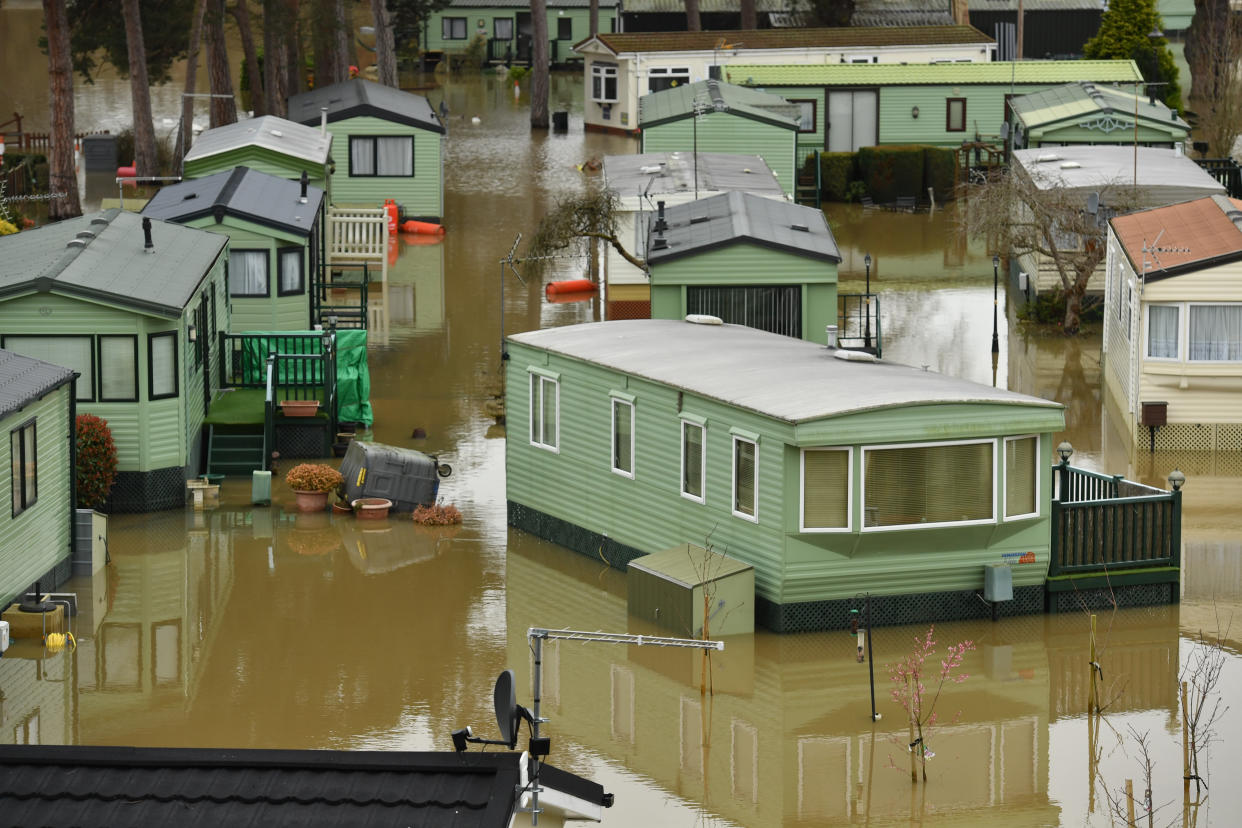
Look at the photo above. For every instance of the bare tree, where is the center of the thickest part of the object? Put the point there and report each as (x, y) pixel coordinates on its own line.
(1201, 701)
(385, 44)
(694, 23)
(1013, 213)
(241, 13)
(540, 79)
(191, 84)
(750, 18)
(223, 110)
(1213, 50)
(139, 91)
(573, 221)
(63, 178)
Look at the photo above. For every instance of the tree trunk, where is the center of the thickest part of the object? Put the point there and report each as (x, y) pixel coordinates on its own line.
(223, 110)
(326, 44)
(140, 91)
(750, 18)
(385, 46)
(1073, 307)
(540, 79)
(241, 13)
(294, 53)
(186, 138)
(344, 37)
(275, 58)
(594, 17)
(63, 177)
(693, 22)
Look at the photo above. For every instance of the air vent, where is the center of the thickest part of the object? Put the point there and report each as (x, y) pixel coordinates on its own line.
(1047, 158)
(699, 219)
(801, 228)
(100, 221)
(189, 196)
(86, 234)
(1071, 165)
(277, 133)
(76, 243)
(659, 244)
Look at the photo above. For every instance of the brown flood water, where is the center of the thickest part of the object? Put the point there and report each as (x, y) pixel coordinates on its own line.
(258, 627)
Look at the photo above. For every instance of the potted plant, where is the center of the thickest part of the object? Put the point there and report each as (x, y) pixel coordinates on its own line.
(372, 508)
(312, 482)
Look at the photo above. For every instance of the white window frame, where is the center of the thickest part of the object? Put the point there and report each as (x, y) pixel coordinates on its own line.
(753, 441)
(906, 527)
(615, 399)
(679, 74)
(601, 74)
(1039, 478)
(701, 425)
(536, 410)
(1182, 334)
(849, 487)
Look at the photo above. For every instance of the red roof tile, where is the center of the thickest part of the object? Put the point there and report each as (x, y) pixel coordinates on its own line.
(1166, 238)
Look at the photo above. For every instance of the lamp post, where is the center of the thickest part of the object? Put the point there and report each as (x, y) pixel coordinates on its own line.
(995, 301)
(867, 306)
(1065, 451)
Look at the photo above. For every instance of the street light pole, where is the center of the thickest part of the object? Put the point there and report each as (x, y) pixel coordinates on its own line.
(995, 301)
(867, 306)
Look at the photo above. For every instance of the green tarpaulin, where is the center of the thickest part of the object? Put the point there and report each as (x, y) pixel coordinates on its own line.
(353, 380)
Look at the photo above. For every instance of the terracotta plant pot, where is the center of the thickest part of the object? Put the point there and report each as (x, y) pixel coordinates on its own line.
(372, 508)
(311, 501)
(299, 408)
(339, 508)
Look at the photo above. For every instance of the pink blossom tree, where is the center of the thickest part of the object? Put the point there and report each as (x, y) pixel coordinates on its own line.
(917, 693)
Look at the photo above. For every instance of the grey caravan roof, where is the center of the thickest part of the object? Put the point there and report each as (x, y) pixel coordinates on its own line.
(666, 173)
(357, 98)
(24, 379)
(242, 192)
(720, 220)
(1164, 177)
(269, 132)
(684, 101)
(755, 370)
(100, 257)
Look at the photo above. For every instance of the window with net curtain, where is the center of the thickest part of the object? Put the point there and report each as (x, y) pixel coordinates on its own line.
(72, 352)
(928, 484)
(248, 273)
(381, 155)
(162, 365)
(290, 259)
(745, 474)
(1162, 323)
(1021, 477)
(1216, 333)
(825, 488)
(623, 437)
(118, 368)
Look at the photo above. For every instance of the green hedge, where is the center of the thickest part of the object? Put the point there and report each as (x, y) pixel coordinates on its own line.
(940, 171)
(836, 171)
(885, 172)
(891, 171)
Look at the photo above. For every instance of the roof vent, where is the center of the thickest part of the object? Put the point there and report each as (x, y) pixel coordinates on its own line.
(703, 319)
(100, 220)
(1047, 157)
(854, 356)
(76, 243)
(659, 243)
(1071, 165)
(699, 219)
(276, 133)
(86, 234)
(801, 228)
(148, 246)
(189, 196)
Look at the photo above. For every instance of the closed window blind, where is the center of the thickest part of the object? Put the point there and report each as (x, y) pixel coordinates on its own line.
(1020, 475)
(692, 459)
(164, 365)
(72, 352)
(622, 437)
(825, 489)
(118, 366)
(928, 484)
(744, 477)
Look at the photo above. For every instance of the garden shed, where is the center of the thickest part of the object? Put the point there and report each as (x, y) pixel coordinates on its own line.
(711, 116)
(134, 306)
(274, 227)
(679, 587)
(266, 144)
(387, 145)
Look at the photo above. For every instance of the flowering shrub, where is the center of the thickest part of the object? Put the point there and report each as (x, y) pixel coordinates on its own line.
(96, 466)
(918, 699)
(437, 515)
(313, 477)
(7, 228)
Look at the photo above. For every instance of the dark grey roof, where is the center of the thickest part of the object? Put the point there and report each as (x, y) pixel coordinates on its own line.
(241, 192)
(101, 257)
(23, 380)
(189, 787)
(358, 97)
(663, 173)
(723, 219)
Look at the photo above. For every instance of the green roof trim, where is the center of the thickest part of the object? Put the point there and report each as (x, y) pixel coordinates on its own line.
(935, 74)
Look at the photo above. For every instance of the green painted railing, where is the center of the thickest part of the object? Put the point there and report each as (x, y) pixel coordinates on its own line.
(858, 322)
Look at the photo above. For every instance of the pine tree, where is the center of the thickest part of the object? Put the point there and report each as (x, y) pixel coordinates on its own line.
(1125, 33)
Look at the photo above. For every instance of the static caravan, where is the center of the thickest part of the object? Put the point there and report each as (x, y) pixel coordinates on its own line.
(1094, 113)
(506, 27)
(640, 182)
(747, 260)
(273, 226)
(711, 116)
(37, 424)
(942, 104)
(621, 68)
(134, 307)
(830, 476)
(387, 145)
(266, 144)
(1173, 325)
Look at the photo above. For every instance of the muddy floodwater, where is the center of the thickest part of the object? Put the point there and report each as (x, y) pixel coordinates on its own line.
(253, 627)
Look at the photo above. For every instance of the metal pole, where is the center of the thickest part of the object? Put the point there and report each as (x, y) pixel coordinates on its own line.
(867, 303)
(995, 302)
(870, 662)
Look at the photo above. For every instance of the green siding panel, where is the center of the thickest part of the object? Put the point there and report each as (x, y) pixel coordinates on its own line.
(563, 50)
(421, 194)
(262, 160)
(723, 132)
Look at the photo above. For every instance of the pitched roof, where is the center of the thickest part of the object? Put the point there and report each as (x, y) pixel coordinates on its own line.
(1163, 174)
(691, 99)
(664, 173)
(901, 13)
(24, 379)
(720, 220)
(357, 98)
(242, 192)
(101, 257)
(189, 787)
(756, 370)
(705, 6)
(792, 38)
(290, 138)
(1165, 241)
(1084, 99)
(525, 4)
(924, 74)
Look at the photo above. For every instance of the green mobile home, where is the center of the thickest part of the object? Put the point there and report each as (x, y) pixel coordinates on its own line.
(831, 476)
(387, 144)
(747, 260)
(941, 104)
(133, 306)
(506, 26)
(267, 144)
(37, 421)
(1094, 113)
(273, 227)
(710, 116)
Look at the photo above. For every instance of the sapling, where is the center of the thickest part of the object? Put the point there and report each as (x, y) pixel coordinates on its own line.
(918, 695)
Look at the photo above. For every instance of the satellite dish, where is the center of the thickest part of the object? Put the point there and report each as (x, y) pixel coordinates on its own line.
(506, 705)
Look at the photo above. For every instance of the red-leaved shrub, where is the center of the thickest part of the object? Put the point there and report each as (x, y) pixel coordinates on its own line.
(96, 469)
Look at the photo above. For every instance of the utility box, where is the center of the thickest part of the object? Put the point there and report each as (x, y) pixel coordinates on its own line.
(99, 153)
(261, 487)
(675, 588)
(90, 541)
(407, 477)
(997, 583)
(1154, 414)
